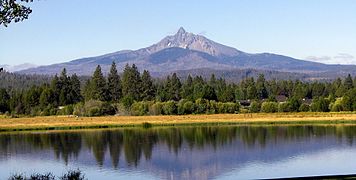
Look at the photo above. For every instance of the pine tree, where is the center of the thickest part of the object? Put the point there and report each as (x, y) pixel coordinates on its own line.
(131, 82)
(75, 90)
(147, 87)
(174, 89)
(348, 83)
(64, 85)
(4, 100)
(56, 89)
(98, 85)
(46, 97)
(114, 84)
(187, 88)
(261, 88)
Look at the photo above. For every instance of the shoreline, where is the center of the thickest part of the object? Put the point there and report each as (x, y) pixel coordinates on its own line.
(69, 123)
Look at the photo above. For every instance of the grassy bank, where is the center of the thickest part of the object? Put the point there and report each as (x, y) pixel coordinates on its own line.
(64, 122)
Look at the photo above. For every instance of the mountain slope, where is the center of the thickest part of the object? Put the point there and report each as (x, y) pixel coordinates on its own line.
(187, 51)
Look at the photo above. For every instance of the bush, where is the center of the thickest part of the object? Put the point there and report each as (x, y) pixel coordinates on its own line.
(188, 107)
(36, 176)
(320, 105)
(269, 107)
(228, 107)
(294, 104)
(127, 101)
(73, 175)
(92, 108)
(67, 110)
(139, 108)
(231, 107)
(337, 106)
(169, 108)
(79, 109)
(156, 108)
(212, 107)
(201, 106)
(70, 175)
(304, 108)
(284, 107)
(49, 110)
(180, 106)
(108, 109)
(255, 107)
(121, 109)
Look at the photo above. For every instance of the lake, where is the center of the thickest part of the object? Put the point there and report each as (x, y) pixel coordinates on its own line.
(201, 152)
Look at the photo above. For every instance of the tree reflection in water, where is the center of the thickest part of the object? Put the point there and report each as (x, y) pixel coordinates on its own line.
(136, 143)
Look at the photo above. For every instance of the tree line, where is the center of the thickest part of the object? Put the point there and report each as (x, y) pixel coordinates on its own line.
(136, 93)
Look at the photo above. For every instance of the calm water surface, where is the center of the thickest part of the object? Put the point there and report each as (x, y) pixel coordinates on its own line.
(227, 152)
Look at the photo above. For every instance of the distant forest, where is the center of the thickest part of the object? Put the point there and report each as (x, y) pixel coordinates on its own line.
(135, 93)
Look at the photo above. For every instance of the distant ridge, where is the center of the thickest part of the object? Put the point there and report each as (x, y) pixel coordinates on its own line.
(188, 51)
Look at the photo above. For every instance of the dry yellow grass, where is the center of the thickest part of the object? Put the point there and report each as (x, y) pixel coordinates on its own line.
(56, 122)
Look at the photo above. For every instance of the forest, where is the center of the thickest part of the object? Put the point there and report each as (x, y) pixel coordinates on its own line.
(136, 93)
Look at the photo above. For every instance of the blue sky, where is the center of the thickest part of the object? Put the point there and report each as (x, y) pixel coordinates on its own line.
(63, 30)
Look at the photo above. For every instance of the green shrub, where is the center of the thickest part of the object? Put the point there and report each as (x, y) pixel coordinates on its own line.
(304, 108)
(284, 107)
(201, 106)
(79, 109)
(231, 107)
(180, 106)
(320, 105)
(170, 108)
(93, 108)
(156, 108)
(269, 107)
(127, 101)
(255, 107)
(188, 107)
(212, 107)
(66, 110)
(139, 108)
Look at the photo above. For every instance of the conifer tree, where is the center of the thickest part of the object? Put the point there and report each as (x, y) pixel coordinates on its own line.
(75, 90)
(4, 100)
(147, 87)
(98, 85)
(348, 83)
(114, 84)
(174, 89)
(187, 88)
(261, 88)
(131, 82)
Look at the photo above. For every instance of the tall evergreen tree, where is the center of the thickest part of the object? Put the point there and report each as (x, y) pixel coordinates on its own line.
(187, 88)
(4, 100)
(147, 87)
(261, 88)
(174, 89)
(348, 83)
(98, 85)
(114, 84)
(75, 90)
(131, 82)
(46, 97)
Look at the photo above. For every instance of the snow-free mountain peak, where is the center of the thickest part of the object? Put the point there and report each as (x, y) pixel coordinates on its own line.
(186, 40)
(188, 51)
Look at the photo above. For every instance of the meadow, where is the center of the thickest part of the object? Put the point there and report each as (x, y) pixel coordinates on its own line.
(73, 122)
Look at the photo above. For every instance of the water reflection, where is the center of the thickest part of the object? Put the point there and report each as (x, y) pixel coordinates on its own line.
(178, 152)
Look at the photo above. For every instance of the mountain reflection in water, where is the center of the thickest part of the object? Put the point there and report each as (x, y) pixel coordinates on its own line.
(174, 152)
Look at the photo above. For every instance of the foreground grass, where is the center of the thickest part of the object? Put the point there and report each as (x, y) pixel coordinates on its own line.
(65, 122)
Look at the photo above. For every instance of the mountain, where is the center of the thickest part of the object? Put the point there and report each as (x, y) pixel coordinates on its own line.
(13, 68)
(187, 51)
